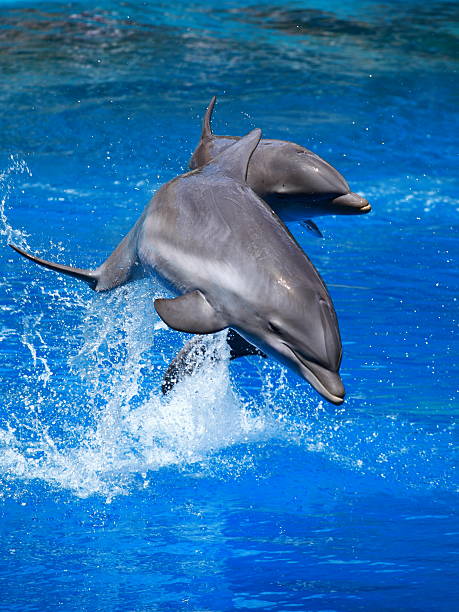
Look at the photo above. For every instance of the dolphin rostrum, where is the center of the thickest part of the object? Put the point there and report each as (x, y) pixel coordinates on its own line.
(295, 182)
(233, 264)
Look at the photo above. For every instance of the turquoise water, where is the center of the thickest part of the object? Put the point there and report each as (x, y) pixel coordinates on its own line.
(243, 489)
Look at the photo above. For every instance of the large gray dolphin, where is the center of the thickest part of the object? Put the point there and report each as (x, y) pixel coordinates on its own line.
(234, 265)
(296, 183)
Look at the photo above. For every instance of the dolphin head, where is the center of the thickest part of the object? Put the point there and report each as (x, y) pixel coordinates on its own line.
(299, 328)
(299, 174)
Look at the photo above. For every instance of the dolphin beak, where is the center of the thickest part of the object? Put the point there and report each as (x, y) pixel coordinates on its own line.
(326, 382)
(352, 204)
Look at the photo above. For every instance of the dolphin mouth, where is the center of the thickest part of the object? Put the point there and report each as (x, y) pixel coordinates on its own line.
(351, 203)
(324, 381)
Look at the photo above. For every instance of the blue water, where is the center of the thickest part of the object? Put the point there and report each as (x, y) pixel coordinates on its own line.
(243, 490)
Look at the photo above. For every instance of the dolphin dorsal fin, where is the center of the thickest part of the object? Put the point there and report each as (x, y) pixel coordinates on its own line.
(206, 133)
(234, 160)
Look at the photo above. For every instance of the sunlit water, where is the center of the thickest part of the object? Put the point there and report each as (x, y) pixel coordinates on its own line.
(241, 489)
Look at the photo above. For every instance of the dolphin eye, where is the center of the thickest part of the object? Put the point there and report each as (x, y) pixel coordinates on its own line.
(274, 328)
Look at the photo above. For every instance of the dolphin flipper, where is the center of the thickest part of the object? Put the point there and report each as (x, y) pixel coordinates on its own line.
(312, 227)
(190, 313)
(185, 363)
(117, 270)
(191, 357)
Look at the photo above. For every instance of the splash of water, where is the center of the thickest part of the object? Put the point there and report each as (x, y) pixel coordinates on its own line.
(16, 167)
(133, 429)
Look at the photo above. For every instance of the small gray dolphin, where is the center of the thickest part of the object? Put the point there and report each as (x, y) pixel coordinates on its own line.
(295, 182)
(234, 265)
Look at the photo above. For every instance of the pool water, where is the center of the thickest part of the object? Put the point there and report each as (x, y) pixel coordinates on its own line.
(242, 489)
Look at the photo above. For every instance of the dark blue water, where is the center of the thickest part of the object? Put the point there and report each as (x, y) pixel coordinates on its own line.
(242, 490)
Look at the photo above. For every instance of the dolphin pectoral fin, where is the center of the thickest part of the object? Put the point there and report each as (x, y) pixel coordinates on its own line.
(234, 160)
(89, 276)
(190, 313)
(240, 347)
(312, 227)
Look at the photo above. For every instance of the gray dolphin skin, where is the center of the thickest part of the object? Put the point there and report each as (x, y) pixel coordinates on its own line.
(295, 182)
(233, 264)
(190, 358)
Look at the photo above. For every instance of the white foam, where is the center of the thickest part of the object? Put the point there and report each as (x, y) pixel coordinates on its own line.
(7, 177)
(134, 429)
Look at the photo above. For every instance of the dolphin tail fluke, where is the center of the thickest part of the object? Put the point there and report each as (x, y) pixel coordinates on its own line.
(121, 267)
(88, 276)
(192, 356)
(123, 264)
(206, 127)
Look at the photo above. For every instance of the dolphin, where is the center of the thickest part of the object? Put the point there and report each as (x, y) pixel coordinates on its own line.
(295, 182)
(190, 358)
(233, 264)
